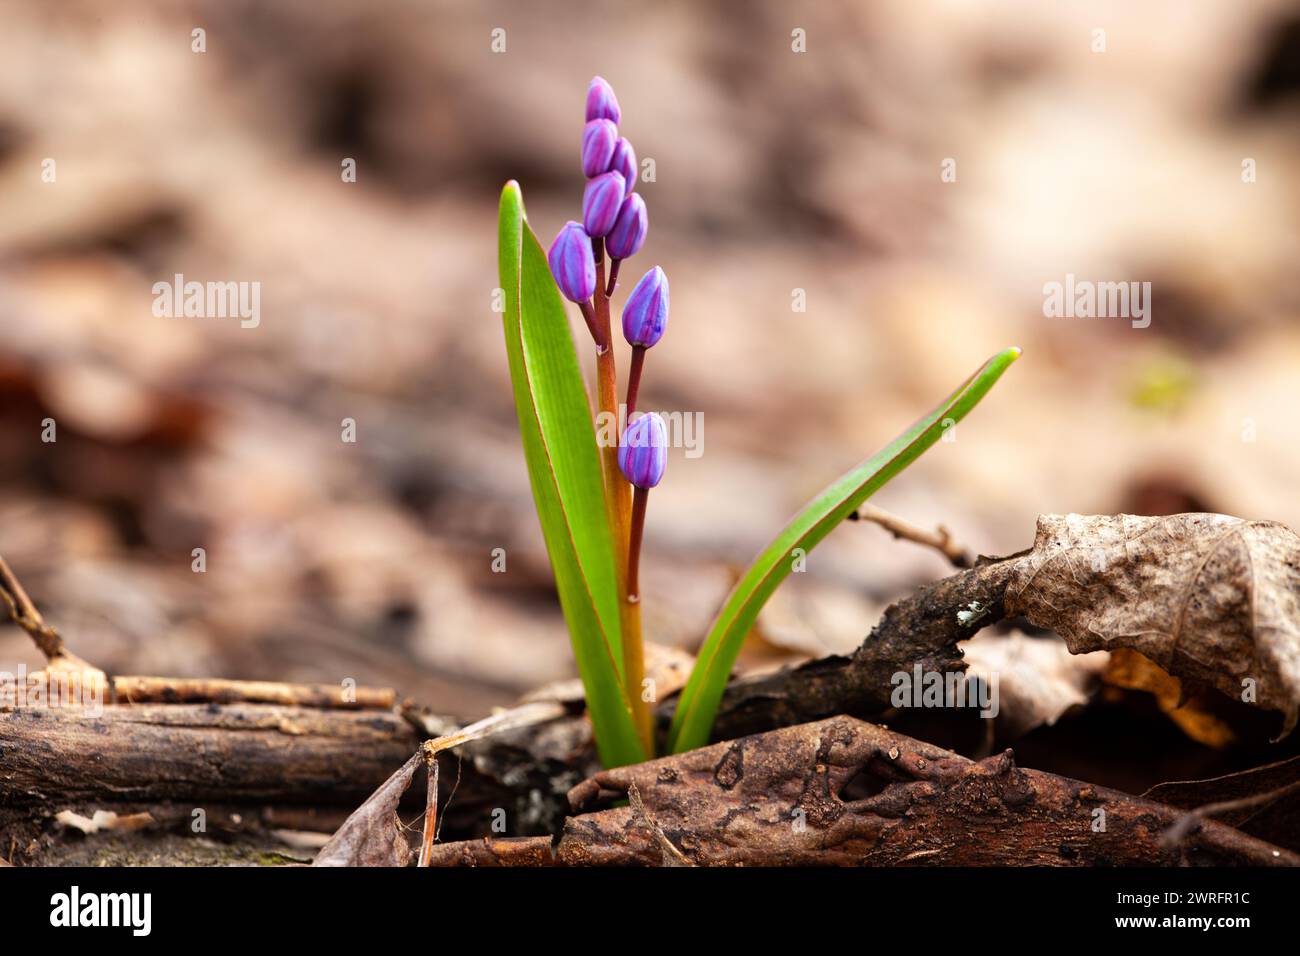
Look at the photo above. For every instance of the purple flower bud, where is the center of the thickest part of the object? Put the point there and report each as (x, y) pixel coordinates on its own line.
(628, 234)
(598, 139)
(645, 315)
(572, 263)
(601, 101)
(624, 162)
(643, 454)
(601, 202)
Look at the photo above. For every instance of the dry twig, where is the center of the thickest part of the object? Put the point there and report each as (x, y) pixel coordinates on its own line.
(940, 538)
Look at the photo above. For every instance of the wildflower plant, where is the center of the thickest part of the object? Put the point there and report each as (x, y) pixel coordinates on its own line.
(591, 482)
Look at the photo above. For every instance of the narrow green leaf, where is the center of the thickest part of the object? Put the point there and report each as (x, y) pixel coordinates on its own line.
(699, 700)
(564, 470)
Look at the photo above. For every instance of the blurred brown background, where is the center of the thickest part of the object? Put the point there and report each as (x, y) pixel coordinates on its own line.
(775, 171)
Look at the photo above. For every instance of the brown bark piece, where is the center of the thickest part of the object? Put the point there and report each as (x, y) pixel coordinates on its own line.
(845, 792)
(923, 628)
(494, 851)
(52, 758)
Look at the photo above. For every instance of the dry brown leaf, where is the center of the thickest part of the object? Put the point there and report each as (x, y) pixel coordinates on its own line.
(372, 835)
(1262, 801)
(1209, 598)
(1038, 679)
(1133, 671)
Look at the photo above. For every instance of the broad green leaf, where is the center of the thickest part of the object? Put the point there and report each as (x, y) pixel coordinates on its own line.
(564, 469)
(699, 700)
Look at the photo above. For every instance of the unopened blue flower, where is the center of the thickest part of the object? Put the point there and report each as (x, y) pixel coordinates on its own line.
(601, 101)
(624, 161)
(628, 234)
(645, 314)
(643, 453)
(598, 140)
(600, 203)
(572, 263)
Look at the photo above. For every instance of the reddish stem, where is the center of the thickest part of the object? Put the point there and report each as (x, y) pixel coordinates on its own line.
(613, 276)
(619, 504)
(593, 326)
(639, 501)
(634, 378)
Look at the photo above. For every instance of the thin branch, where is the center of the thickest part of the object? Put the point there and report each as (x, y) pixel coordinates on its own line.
(173, 690)
(195, 690)
(525, 715)
(1188, 822)
(455, 785)
(940, 539)
(430, 810)
(25, 615)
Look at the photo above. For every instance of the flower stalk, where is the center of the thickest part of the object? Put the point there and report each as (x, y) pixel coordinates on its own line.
(645, 317)
(593, 326)
(614, 222)
(639, 500)
(642, 457)
(619, 505)
(593, 521)
(634, 377)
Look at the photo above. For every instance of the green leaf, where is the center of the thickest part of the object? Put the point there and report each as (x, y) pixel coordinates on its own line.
(564, 469)
(699, 700)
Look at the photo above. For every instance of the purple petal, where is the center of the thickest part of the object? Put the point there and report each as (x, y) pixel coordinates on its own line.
(600, 203)
(628, 234)
(598, 140)
(601, 101)
(645, 315)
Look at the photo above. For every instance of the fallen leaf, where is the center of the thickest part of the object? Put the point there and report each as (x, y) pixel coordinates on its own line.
(372, 835)
(1038, 679)
(1209, 598)
(1133, 671)
(1275, 818)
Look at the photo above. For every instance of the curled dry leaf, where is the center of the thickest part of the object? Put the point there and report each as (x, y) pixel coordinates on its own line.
(372, 835)
(1210, 598)
(1037, 679)
(1131, 671)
